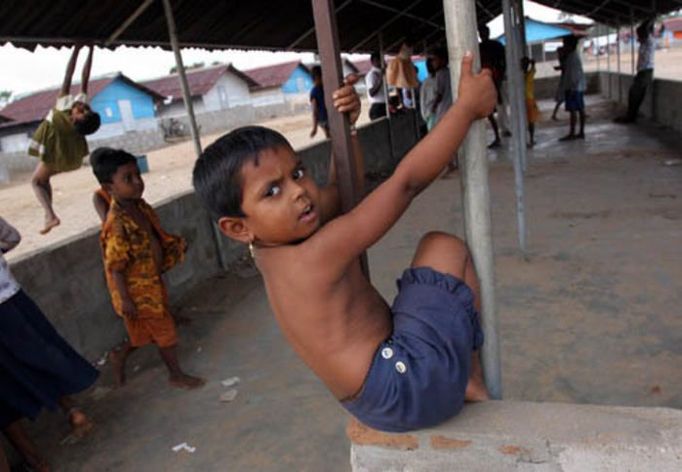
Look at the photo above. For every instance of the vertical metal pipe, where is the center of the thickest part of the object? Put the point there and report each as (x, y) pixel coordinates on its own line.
(520, 139)
(515, 89)
(596, 40)
(186, 96)
(382, 53)
(460, 26)
(632, 42)
(608, 58)
(620, 82)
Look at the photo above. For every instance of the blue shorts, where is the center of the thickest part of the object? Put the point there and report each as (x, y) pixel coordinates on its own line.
(418, 376)
(575, 101)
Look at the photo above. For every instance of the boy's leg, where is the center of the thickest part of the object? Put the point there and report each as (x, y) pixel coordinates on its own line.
(176, 377)
(22, 443)
(496, 130)
(571, 134)
(40, 181)
(581, 114)
(531, 132)
(80, 423)
(448, 254)
(118, 357)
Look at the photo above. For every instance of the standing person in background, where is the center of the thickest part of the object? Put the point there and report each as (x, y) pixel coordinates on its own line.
(532, 111)
(492, 57)
(574, 89)
(427, 96)
(59, 142)
(442, 100)
(375, 88)
(645, 71)
(560, 90)
(317, 105)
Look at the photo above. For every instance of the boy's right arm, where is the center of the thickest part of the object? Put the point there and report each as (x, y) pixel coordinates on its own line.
(70, 68)
(342, 240)
(101, 206)
(127, 305)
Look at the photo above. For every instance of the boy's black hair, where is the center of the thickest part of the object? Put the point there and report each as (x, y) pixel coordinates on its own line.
(88, 124)
(217, 177)
(105, 161)
(316, 71)
(375, 57)
(441, 53)
(429, 66)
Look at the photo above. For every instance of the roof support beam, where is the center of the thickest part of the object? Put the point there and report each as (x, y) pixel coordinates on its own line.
(124, 26)
(404, 13)
(460, 22)
(385, 25)
(186, 95)
(298, 40)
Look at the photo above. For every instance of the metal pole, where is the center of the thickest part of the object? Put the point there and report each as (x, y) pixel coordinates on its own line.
(515, 89)
(596, 40)
(620, 85)
(460, 26)
(608, 58)
(183, 78)
(632, 42)
(520, 110)
(385, 86)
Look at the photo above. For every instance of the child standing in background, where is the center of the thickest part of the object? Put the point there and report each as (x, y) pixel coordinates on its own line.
(532, 111)
(137, 251)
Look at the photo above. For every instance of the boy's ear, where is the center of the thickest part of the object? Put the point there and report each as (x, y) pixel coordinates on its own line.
(107, 186)
(234, 227)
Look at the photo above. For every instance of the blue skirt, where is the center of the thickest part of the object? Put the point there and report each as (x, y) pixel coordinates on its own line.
(37, 366)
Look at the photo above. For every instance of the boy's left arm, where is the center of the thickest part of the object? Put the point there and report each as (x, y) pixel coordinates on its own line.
(174, 247)
(68, 74)
(85, 75)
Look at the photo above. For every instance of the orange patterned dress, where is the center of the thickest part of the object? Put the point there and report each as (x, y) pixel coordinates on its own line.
(128, 248)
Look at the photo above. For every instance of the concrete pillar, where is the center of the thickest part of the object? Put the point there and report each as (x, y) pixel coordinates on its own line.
(460, 25)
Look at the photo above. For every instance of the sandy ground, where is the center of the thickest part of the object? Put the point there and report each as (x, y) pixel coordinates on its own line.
(590, 315)
(170, 174)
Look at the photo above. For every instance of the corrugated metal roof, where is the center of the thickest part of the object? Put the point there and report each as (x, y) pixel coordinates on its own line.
(200, 81)
(34, 107)
(260, 24)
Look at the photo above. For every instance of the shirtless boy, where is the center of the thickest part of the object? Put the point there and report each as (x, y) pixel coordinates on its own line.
(396, 368)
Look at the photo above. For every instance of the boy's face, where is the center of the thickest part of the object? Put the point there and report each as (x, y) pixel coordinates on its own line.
(78, 111)
(280, 199)
(126, 183)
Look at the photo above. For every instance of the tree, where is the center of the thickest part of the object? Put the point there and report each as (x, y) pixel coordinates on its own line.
(196, 65)
(5, 95)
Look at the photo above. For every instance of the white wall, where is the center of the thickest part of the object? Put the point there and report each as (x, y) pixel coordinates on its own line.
(267, 97)
(229, 91)
(14, 142)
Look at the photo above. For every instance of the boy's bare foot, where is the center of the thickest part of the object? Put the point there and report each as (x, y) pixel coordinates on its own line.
(118, 368)
(186, 381)
(476, 390)
(568, 137)
(49, 224)
(80, 423)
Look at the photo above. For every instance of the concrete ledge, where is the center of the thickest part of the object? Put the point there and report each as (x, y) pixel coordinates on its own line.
(524, 436)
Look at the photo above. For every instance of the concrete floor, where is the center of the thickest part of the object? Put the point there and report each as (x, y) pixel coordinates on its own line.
(592, 315)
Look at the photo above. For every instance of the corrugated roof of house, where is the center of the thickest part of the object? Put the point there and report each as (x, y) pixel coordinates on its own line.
(200, 81)
(35, 106)
(274, 75)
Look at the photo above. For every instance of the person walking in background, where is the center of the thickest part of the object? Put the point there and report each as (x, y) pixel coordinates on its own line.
(574, 89)
(317, 105)
(427, 95)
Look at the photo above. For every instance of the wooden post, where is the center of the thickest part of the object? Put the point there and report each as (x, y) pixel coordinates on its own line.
(339, 126)
(460, 26)
(183, 78)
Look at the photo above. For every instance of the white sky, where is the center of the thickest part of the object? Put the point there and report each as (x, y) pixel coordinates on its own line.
(24, 71)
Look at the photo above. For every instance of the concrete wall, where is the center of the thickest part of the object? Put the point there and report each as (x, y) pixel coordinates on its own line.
(663, 101)
(521, 436)
(67, 278)
(546, 87)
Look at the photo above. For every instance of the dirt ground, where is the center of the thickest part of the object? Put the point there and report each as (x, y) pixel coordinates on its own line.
(590, 315)
(169, 175)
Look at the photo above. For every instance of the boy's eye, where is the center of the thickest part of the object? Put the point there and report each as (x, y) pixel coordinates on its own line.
(299, 173)
(273, 191)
